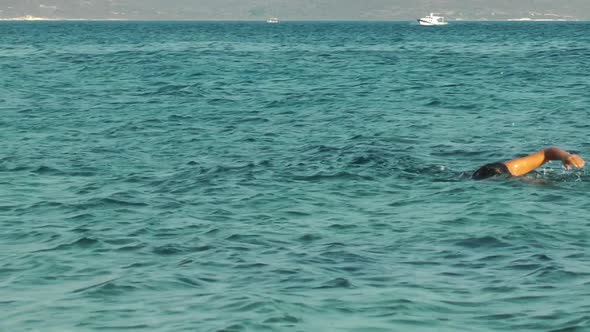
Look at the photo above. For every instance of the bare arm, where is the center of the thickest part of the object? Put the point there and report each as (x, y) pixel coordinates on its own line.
(521, 166)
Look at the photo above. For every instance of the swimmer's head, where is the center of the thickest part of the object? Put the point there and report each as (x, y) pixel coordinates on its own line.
(490, 170)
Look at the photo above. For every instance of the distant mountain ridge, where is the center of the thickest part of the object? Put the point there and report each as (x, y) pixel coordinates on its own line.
(295, 9)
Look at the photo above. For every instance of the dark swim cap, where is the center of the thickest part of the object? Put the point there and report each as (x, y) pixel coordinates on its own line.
(489, 170)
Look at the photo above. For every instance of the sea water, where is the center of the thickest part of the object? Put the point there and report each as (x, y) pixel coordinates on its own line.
(302, 176)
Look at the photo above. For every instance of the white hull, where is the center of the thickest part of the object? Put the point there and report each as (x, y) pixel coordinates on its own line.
(430, 23)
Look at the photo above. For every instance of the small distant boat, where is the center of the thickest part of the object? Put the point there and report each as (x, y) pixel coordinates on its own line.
(273, 20)
(432, 20)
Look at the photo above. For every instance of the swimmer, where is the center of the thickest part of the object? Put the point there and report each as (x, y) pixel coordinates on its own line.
(524, 165)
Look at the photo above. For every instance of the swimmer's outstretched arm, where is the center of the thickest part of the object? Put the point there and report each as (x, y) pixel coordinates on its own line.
(521, 166)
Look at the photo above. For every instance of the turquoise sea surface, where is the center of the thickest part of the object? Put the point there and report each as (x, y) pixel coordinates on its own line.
(302, 176)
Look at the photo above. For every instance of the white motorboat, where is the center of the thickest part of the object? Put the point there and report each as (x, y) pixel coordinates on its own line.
(272, 20)
(432, 20)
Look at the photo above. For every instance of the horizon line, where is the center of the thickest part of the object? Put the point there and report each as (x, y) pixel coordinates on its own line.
(263, 20)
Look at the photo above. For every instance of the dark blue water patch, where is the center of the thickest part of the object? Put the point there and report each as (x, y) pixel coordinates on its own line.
(81, 243)
(332, 177)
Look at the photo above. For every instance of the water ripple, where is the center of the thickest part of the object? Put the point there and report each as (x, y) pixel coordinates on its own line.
(232, 176)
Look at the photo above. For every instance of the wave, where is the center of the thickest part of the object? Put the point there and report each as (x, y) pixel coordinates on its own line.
(81, 243)
(482, 242)
(332, 177)
(336, 283)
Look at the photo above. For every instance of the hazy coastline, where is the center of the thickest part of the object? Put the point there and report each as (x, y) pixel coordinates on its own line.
(523, 19)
